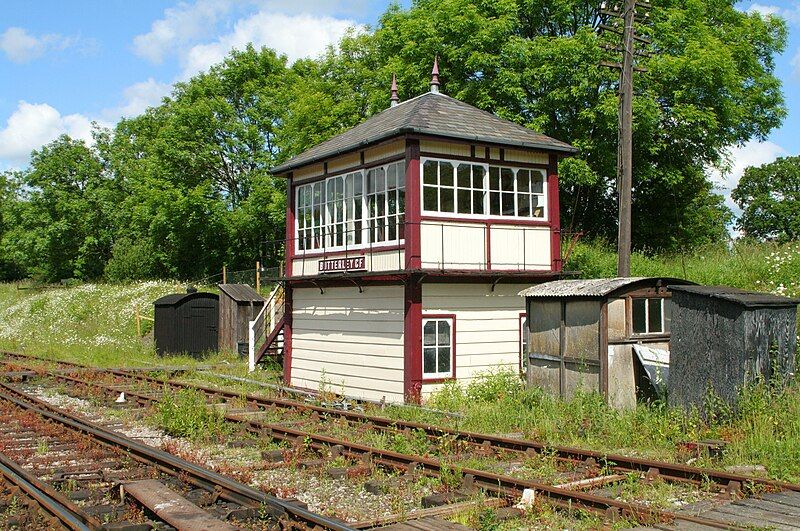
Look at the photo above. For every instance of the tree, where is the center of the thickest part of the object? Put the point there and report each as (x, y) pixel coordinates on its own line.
(710, 85)
(61, 224)
(769, 196)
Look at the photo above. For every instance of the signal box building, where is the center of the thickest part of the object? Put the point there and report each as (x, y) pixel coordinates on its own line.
(408, 239)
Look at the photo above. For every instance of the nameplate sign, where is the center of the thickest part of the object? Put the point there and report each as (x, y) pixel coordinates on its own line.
(338, 265)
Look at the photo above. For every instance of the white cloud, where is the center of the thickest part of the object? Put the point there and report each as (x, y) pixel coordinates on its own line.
(791, 14)
(740, 158)
(297, 36)
(22, 47)
(180, 25)
(32, 125)
(138, 97)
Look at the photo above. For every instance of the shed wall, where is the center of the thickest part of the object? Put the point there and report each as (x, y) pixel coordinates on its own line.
(352, 341)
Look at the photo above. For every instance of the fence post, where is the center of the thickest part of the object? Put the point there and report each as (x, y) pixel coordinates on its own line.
(258, 278)
(224, 274)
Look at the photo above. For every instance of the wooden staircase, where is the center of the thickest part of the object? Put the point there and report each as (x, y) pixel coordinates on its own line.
(266, 330)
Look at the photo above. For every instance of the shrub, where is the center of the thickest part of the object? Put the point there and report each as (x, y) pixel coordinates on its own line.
(186, 414)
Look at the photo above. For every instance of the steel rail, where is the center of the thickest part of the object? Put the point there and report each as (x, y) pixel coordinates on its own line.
(619, 462)
(498, 484)
(198, 475)
(50, 500)
(668, 471)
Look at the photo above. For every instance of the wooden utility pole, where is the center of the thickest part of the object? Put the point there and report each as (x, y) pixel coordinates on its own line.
(625, 157)
(625, 12)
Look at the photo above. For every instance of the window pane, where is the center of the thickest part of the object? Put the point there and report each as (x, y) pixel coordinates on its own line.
(380, 180)
(380, 199)
(464, 202)
(401, 175)
(444, 360)
(654, 315)
(477, 177)
(371, 182)
(537, 183)
(445, 174)
(523, 205)
(430, 198)
(494, 178)
(477, 202)
(359, 184)
(538, 210)
(463, 175)
(508, 204)
(523, 180)
(447, 200)
(429, 360)
(391, 176)
(443, 337)
(639, 317)
(494, 203)
(429, 333)
(667, 315)
(429, 172)
(507, 179)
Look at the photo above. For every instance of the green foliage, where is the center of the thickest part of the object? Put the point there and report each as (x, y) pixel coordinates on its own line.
(769, 196)
(186, 414)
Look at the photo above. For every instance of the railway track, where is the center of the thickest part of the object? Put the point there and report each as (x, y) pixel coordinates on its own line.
(586, 464)
(89, 463)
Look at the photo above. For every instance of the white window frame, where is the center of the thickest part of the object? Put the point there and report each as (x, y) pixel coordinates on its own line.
(647, 331)
(323, 235)
(436, 346)
(486, 192)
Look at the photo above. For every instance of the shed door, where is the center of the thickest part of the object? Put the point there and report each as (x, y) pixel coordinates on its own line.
(200, 326)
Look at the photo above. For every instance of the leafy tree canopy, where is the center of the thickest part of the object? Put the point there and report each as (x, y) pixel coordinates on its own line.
(769, 196)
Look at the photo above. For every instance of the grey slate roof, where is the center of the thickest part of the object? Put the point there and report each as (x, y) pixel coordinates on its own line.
(432, 114)
(748, 299)
(241, 293)
(595, 287)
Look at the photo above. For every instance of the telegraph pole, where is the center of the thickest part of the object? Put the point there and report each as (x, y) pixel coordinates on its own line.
(625, 158)
(626, 13)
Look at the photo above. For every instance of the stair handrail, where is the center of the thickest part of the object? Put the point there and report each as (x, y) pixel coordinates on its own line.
(257, 328)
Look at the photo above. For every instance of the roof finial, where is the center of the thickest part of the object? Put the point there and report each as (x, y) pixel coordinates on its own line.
(395, 97)
(435, 75)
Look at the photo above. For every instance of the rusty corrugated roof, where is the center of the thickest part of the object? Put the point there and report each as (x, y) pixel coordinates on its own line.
(430, 114)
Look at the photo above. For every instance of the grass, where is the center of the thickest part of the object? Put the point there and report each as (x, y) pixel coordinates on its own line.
(186, 414)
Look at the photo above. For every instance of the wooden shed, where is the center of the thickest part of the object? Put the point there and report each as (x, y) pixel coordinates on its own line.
(610, 336)
(238, 305)
(186, 323)
(725, 338)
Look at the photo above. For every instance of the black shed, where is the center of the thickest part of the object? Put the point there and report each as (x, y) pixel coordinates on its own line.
(724, 338)
(186, 323)
(238, 305)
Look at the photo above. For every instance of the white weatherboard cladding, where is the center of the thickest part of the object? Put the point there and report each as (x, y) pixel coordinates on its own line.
(487, 324)
(352, 341)
(453, 245)
(520, 247)
(376, 261)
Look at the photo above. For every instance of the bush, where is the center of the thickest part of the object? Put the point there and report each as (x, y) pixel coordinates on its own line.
(186, 414)
(132, 260)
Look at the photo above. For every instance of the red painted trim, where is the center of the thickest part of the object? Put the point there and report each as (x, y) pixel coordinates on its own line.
(555, 214)
(489, 246)
(453, 345)
(287, 337)
(489, 221)
(412, 341)
(290, 223)
(413, 206)
(356, 251)
(519, 342)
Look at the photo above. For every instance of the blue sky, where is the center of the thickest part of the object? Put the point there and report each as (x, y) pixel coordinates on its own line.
(66, 63)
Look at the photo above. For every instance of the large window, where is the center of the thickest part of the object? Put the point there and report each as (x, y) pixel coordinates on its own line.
(650, 315)
(352, 210)
(437, 347)
(468, 189)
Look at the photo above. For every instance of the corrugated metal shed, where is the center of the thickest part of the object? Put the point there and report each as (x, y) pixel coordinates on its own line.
(432, 114)
(748, 299)
(594, 287)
